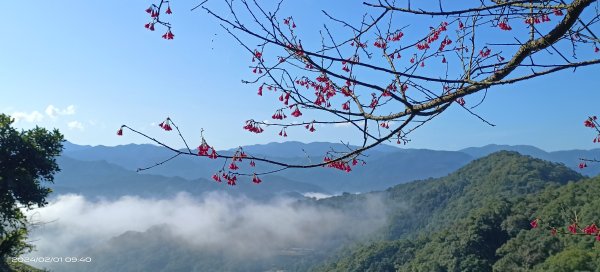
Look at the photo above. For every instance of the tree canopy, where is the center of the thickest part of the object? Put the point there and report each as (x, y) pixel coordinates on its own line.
(27, 160)
(477, 219)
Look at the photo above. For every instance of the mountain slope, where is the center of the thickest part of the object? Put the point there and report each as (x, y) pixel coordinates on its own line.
(444, 222)
(538, 248)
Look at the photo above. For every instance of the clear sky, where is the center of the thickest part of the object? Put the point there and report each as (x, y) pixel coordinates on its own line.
(86, 67)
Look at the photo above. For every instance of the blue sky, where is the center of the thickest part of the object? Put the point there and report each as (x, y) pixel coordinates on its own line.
(87, 67)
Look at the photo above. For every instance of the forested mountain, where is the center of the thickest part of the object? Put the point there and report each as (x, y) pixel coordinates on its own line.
(475, 219)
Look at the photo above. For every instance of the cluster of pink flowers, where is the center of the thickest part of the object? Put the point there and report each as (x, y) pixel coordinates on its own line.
(380, 43)
(310, 127)
(485, 52)
(166, 125)
(253, 126)
(572, 229)
(340, 165)
(279, 115)
(154, 12)
(204, 148)
(504, 25)
(290, 22)
(537, 19)
(395, 37)
(296, 112)
(591, 123)
(283, 132)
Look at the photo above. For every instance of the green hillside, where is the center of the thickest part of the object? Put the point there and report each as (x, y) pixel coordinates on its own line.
(477, 219)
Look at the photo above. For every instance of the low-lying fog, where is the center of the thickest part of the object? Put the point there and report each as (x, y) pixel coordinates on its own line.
(71, 224)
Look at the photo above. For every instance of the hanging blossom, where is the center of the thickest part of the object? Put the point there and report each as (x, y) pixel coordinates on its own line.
(591, 123)
(120, 131)
(166, 124)
(296, 112)
(253, 126)
(534, 223)
(485, 52)
(340, 165)
(204, 148)
(572, 228)
(230, 177)
(256, 179)
(504, 25)
(591, 229)
(283, 132)
(168, 35)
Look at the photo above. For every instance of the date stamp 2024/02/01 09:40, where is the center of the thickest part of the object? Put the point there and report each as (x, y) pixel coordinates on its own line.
(54, 259)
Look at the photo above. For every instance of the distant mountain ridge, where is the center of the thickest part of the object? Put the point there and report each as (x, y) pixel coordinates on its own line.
(478, 152)
(568, 157)
(293, 149)
(133, 156)
(102, 179)
(385, 165)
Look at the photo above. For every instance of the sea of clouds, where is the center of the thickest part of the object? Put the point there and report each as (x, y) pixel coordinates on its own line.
(72, 224)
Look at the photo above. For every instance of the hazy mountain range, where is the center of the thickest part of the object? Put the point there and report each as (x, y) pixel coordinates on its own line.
(111, 171)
